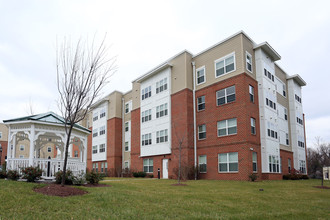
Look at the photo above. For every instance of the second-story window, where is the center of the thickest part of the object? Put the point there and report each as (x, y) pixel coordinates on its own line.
(227, 127)
(226, 95)
(201, 103)
(146, 139)
(162, 136)
(146, 92)
(161, 85)
(161, 110)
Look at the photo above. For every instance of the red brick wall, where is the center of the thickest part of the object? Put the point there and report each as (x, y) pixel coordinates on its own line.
(114, 145)
(285, 155)
(89, 150)
(136, 161)
(241, 109)
(4, 145)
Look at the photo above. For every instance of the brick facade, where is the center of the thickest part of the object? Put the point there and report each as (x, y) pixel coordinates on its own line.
(114, 145)
(4, 145)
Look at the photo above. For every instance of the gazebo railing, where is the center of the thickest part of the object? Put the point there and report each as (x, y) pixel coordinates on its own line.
(48, 166)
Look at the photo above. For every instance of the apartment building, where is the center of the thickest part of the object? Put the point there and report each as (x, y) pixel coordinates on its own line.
(3, 143)
(229, 110)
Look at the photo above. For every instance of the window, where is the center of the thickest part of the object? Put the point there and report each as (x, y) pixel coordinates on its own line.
(105, 166)
(161, 85)
(285, 114)
(126, 146)
(126, 165)
(146, 139)
(161, 110)
(102, 167)
(21, 148)
(284, 90)
(126, 126)
(253, 126)
(274, 164)
(289, 165)
(254, 161)
(225, 65)
(0, 135)
(251, 91)
(228, 162)
(201, 103)
(96, 167)
(146, 115)
(280, 164)
(126, 108)
(94, 149)
(95, 132)
(298, 99)
(299, 121)
(287, 139)
(21, 156)
(202, 164)
(95, 116)
(146, 92)
(102, 130)
(162, 136)
(75, 153)
(302, 166)
(200, 75)
(201, 132)
(148, 165)
(272, 133)
(102, 148)
(248, 62)
(301, 144)
(93, 166)
(227, 127)
(226, 95)
(269, 75)
(102, 113)
(270, 103)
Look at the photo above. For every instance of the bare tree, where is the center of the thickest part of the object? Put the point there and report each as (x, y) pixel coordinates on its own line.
(82, 72)
(30, 108)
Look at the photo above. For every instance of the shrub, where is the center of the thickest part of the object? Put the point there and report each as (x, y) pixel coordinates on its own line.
(69, 177)
(140, 174)
(31, 174)
(3, 174)
(187, 172)
(295, 176)
(79, 179)
(150, 175)
(13, 175)
(253, 177)
(93, 177)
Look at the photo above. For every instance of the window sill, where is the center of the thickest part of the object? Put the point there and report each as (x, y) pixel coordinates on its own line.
(226, 103)
(224, 73)
(227, 135)
(227, 172)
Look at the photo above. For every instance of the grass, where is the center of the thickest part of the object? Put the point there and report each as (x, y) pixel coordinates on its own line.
(158, 199)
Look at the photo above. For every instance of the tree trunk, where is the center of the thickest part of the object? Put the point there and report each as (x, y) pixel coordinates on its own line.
(66, 155)
(179, 176)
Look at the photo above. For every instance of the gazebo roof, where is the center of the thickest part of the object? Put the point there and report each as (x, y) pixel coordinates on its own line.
(49, 117)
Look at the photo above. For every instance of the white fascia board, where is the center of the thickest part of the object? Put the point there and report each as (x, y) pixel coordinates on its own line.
(269, 50)
(298, 79)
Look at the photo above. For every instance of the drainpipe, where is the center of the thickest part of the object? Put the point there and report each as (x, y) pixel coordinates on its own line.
(123, 133)
(194, 109)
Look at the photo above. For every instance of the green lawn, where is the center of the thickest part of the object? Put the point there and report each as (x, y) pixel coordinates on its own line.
(158, 199)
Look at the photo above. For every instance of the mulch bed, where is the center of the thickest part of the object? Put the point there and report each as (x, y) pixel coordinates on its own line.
(58, 190)
(322, 187)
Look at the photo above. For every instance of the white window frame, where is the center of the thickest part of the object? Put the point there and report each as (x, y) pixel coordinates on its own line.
(228, 162)
(95, 132)
(75, 155)
(95, 116)
(255, 161)
(146, 139)
(226, 95)
(147, 114)
(162, 136)
(199, 163)
(94, 149)
(48, 149)
(128, 107)
(201, 132)
(227, 128)
(223, 59)
(22, 148)
(21, 156)
(202, 103)
(0, 135)
(126, 164)
(273, 161)
(148, 165)
(102, 147)
(127, 126)
(143, 92)
(127, 147)
(253, 126)
(197, 70)
(162, 109)
(102, 112)
(247, 54)
(161, 85)
(102, 130)
(251, 92)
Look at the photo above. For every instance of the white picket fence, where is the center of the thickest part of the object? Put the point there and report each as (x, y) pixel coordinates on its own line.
(48, 166)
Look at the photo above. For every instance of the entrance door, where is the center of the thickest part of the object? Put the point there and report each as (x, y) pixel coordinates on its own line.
(165, 168)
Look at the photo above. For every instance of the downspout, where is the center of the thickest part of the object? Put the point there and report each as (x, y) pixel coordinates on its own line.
(123, 134)
(194, 109)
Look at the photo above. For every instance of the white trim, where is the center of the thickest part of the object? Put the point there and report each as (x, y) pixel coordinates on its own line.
(200, 68)
(200, 163)
(248, 54)
(201, 132)
(222, 59)
(228, 163)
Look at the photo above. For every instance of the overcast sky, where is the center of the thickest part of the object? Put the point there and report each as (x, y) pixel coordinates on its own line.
(143, 34)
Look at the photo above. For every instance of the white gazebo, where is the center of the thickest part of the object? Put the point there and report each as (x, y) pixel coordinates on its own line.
(39, 140)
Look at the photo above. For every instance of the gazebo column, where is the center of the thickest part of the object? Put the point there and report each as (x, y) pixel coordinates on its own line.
(32, 136)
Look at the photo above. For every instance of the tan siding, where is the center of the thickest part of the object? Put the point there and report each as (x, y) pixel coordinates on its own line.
(248, 47)
(127, 98)
(115, 105)
(4, 131)
(181, 73)
(136, 95)
(26, 151)
(207, 59)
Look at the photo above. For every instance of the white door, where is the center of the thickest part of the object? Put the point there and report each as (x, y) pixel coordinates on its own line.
(165, 168)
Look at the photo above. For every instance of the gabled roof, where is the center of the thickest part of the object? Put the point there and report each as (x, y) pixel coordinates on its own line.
(49, 117)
